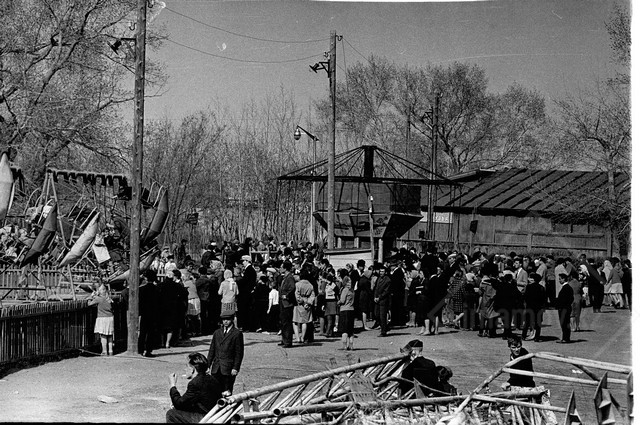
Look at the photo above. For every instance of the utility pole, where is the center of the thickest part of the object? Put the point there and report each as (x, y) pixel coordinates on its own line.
(433, 115)
(312, 230)
(136, 180)
(371, 240)
(332, 150)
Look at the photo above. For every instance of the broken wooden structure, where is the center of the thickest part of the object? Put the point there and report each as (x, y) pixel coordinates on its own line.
(367, 393)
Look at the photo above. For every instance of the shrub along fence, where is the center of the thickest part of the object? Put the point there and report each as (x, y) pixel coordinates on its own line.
(34, 332)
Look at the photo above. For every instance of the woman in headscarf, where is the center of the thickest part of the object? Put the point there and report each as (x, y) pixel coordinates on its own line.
(229, 291)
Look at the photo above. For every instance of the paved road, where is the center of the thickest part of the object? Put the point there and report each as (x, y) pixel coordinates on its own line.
(68, 390)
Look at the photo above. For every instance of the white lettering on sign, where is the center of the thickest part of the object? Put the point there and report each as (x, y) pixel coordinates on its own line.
(438, 217)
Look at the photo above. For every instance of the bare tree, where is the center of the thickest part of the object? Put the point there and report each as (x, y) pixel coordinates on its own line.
(522, 133)
(619, 29)
(60, 82)
(178, 158)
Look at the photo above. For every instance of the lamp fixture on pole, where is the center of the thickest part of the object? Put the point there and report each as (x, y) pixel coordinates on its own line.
(330, 67)
(296, 135)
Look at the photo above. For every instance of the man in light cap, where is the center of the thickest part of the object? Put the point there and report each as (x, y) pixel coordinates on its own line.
(246, 286)
(226, 352)
(419, 368)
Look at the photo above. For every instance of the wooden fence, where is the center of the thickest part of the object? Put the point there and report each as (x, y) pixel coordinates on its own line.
(37, 330)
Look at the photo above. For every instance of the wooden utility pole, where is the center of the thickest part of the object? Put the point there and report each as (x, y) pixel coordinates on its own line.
(136, 180)
(371, 240)
(332, 150)
(434, 166)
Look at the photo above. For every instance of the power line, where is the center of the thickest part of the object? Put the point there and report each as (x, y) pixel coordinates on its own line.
(356, 50)
(244, 35)
(239, 60)
(346, 80)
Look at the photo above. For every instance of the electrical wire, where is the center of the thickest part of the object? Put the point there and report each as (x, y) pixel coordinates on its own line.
(346, 82)
(356, 50)
(240, 60)
(244, 35)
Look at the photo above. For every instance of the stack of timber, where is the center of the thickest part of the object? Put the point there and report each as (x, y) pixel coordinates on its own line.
(367, 393)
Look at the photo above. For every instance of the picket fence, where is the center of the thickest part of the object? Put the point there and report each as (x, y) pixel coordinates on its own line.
(38, 330)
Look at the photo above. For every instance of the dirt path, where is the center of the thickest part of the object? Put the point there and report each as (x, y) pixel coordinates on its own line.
(68, 390)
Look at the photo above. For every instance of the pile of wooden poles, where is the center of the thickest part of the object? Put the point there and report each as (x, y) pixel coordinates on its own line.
(319, 389)
(520, 412)
(333, 396)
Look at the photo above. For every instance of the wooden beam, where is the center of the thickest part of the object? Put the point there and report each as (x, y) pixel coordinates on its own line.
(559, 377)
(481, 397)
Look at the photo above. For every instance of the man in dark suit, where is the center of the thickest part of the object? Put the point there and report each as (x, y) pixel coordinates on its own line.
(203, 392)
(246, 286)
(420, 368)
(535, 297)
(149, 300)
(287, 303)
(398, 289)
(381, 296)
(226, 352)
(563, 305)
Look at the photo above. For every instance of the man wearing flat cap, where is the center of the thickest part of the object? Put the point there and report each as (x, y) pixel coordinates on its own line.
(226, 352)
(419, 368)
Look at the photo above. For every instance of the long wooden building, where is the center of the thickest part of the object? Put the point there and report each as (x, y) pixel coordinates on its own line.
(530, 211)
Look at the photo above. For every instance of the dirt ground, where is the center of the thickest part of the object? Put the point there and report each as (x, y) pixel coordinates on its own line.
(69, 390)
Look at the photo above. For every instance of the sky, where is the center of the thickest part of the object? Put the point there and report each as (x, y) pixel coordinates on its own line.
(235, 51)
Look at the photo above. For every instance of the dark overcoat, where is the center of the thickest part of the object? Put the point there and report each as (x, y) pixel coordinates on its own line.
(226, 351)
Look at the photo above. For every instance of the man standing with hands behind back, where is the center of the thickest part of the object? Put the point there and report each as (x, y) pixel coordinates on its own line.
(226, 352)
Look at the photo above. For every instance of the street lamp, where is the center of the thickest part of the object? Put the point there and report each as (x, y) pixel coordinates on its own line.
(296, 135)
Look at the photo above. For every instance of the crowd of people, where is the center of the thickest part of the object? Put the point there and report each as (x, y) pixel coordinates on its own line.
(294, 292)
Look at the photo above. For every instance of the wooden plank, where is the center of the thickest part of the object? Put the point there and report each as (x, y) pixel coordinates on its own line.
(499, 189)
(546, 200)
(361, 388)
(532, 188)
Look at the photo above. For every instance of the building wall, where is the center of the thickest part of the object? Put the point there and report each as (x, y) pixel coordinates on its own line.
(498, 234)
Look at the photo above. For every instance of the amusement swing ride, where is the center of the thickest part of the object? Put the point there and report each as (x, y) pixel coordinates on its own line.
(72, 234)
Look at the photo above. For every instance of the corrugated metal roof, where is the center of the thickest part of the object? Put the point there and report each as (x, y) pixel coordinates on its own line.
(522, 190)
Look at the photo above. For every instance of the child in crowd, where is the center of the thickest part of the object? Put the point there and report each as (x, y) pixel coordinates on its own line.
(444, 374)
(273, 309)
(104, 321)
